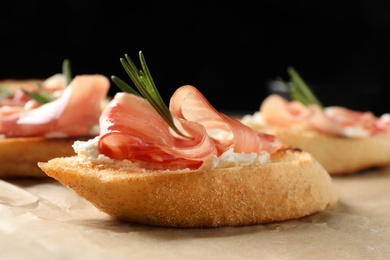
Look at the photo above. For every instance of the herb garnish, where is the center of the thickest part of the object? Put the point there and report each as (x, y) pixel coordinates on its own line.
(42, 96)
(5, 92)
(67, 71)
(144, 83)
(298, 88)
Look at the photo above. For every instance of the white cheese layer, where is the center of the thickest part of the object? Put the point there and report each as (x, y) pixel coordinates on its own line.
(88, 150)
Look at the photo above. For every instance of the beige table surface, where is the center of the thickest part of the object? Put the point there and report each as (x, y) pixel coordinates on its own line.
(42, 219)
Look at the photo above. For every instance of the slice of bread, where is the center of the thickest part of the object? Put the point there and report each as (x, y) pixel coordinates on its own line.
(292, 185)
(344, 141)
(339, 155)
(19, 156)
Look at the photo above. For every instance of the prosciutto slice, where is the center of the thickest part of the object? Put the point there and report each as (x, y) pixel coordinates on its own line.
(131, 129)
(73, 113)
(278, 111)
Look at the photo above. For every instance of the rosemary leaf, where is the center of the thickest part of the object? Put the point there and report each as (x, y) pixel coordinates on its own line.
(41, 96)
(300, 90)
(143, 81)
(67, 71)
(124, 86)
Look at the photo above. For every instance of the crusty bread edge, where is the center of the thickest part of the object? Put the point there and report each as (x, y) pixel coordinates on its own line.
(19, 157)
(338, 155)
(292, 185)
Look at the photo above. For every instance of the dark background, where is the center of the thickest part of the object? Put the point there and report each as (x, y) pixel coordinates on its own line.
(229, 50)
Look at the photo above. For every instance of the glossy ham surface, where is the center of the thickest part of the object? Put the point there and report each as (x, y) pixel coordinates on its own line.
(74, 112)
(335, 120)
(131, 129)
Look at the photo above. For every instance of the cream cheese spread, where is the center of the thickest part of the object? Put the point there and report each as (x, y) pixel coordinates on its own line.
(88, 150)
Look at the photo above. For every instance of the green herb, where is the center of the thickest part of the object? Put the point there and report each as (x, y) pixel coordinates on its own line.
(298, 88)
(144, 83)
(67, 71)
(42, 96)
(5, 92)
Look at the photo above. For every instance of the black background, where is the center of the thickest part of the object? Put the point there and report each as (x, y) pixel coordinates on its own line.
(229, 50)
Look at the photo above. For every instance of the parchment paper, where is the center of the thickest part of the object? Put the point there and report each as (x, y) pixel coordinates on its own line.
(42, 219)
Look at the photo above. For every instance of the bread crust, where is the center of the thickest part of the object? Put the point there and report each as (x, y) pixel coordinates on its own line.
(16, 83)
(292, 185)
(19, 156)
(338, 155)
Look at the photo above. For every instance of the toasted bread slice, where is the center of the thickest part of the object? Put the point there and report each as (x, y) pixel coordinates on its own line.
(339, 155)
(292, 185)
(344, 141)
(19, 156)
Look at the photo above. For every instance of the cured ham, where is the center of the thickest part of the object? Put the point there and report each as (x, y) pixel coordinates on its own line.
(18, 98)
(131, 129)
(74, 112)
(335, 120)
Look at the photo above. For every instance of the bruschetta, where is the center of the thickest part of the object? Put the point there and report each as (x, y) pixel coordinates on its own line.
(33, 129)
(188, 166)
(343, 140)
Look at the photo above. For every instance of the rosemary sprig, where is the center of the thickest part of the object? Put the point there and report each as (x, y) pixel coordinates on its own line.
(144, 83)
(67, 71)
(298, 88)
(42, 96)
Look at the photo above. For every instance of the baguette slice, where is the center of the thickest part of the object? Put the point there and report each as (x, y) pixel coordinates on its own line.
(19, 156)
(339, 155)
(292, 185)
(343, 140)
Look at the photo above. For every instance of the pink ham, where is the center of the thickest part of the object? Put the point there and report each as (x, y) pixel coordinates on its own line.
(131, 129)
(71, 114)
(278, 111)
(351, 118)
(188, 104)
